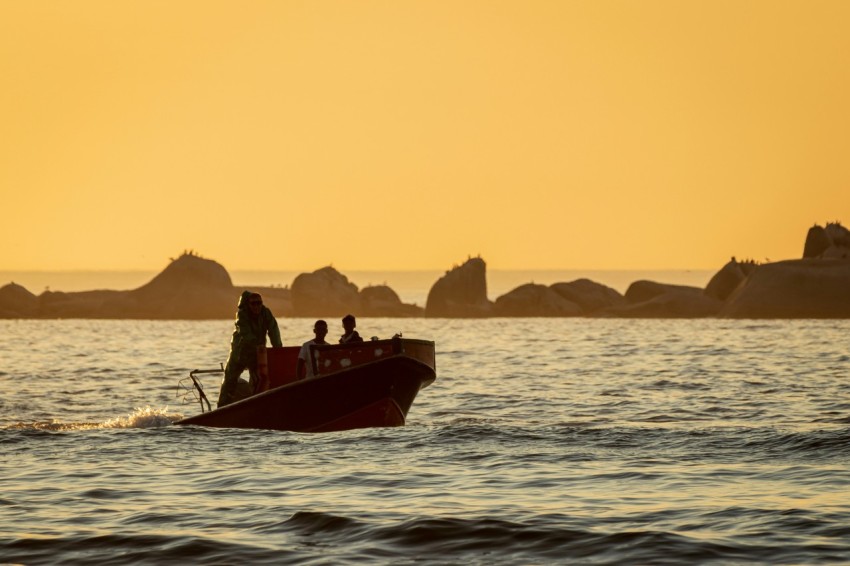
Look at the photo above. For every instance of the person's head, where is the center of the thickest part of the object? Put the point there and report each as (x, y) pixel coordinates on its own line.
(320, 329)
(255, 303)
(348, 323)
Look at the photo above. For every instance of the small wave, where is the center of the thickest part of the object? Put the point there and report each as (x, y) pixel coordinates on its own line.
(539, 539)
(146, 417)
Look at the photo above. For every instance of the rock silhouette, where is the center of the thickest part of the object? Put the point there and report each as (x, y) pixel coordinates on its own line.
(324, 293)
(591, 296)
(728, 278)
(675, 302)
(380, 300)
(461, 292)
(829, 242)
(802, 288)
(17, 302)
(191, 287)
(532, 299)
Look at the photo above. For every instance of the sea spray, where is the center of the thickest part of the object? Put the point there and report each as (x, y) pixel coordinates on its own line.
(146, 417)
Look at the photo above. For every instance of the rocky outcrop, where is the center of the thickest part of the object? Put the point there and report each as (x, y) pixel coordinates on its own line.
(589, 295)
(83, 304)
(532, 299)
(17, 302)
(829, 242)
(671, 304)
(643, 290)
(649, 299)
(725, 281)
(804, 288)
(380, 300)
(324, 293)
(461, 292)
(190, 287)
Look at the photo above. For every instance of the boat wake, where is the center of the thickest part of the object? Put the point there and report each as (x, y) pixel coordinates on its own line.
(146, 417)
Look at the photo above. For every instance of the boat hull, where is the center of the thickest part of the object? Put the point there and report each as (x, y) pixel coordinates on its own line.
(374, 394)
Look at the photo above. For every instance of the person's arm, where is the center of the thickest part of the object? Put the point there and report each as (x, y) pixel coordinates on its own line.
(274, 330)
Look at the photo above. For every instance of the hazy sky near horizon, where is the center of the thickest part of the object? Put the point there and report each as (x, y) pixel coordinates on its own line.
(413, 134)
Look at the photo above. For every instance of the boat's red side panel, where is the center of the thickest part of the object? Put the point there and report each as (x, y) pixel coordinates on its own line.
(385, 412)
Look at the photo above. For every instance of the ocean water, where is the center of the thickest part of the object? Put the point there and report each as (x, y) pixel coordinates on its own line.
(543, 441)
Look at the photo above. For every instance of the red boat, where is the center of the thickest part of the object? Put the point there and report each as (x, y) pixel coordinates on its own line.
(370, 384)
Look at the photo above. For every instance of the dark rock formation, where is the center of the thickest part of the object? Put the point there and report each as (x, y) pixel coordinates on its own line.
(830, 242)
(17, 302)
(804, 288)
(648, 299)
(380, 300)
(324, 293)
(643, 290)
(82, 304)
(589, 295)
(461, 292)
(532, 299)
(190, 287)
(816, 242)
(671, 304)
(725, 281)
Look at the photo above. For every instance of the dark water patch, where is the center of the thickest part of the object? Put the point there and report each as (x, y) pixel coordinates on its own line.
(121, 549)
(491, 540)
(820, 444)
(308, 523)
(614, 393)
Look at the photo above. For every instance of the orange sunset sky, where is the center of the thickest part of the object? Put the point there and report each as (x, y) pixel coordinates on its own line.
(409, 135)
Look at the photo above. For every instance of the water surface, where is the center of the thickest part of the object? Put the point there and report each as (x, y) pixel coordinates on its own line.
(542, 441)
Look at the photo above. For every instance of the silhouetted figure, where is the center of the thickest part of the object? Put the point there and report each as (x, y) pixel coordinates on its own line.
(350, 336)
(304, 367)
(253, 322)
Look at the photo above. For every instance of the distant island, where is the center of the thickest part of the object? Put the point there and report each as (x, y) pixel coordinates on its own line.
(195, 288)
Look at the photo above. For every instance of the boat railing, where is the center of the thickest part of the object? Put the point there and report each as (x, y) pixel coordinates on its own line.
(192, 385)
(336, 357)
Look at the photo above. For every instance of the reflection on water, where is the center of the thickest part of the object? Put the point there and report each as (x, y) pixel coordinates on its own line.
(542, 440)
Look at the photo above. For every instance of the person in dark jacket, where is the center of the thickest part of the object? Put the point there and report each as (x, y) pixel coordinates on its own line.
(253, 322)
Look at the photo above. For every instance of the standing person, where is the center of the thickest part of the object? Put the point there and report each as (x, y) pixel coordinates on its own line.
(350, 336)
(304, 367)
(253, 322)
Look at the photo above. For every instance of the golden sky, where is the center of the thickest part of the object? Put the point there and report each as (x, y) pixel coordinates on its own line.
(409, 135)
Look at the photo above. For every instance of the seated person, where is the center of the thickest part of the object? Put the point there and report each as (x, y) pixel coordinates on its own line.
(351, 336)
(304, 367)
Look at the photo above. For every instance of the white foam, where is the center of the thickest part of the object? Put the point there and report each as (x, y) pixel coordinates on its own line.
(146, 417)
